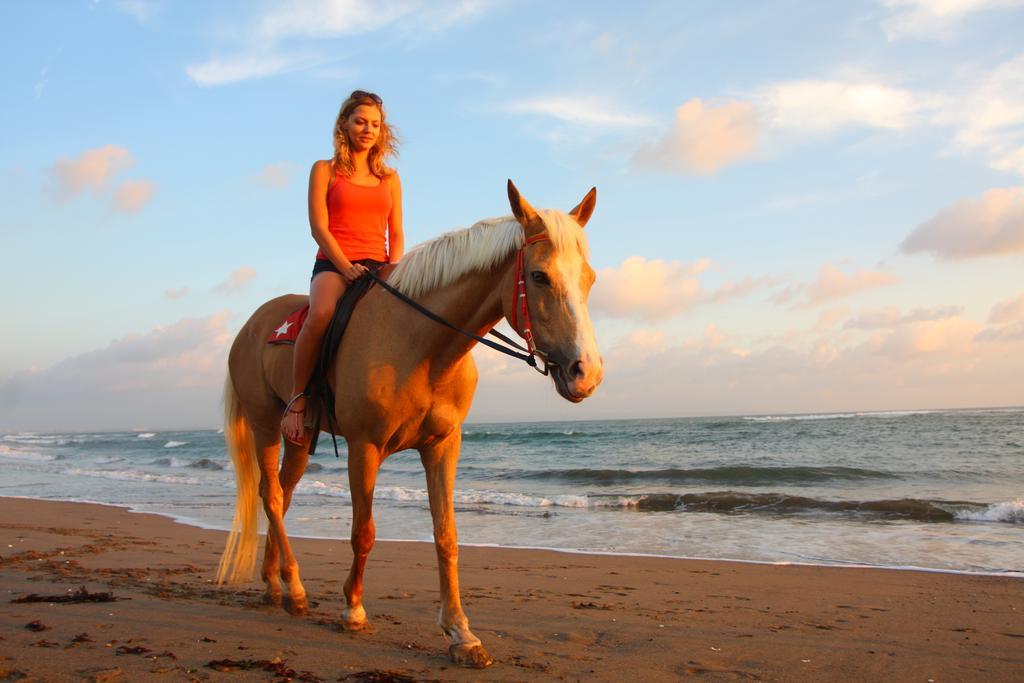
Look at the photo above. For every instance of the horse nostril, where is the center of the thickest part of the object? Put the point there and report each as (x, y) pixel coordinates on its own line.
(577, 370)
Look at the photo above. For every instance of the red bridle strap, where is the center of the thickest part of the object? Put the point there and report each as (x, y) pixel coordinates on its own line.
(519, 305)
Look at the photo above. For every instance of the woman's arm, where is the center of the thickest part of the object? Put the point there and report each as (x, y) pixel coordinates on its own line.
(396, 238)
(319, 178)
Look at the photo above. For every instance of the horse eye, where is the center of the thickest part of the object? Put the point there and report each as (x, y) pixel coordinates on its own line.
(540, 278)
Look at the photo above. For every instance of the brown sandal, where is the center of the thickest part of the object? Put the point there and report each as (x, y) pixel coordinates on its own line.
(288, 410)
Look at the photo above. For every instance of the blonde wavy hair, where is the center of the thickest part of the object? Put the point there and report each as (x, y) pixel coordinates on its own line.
(386, 145)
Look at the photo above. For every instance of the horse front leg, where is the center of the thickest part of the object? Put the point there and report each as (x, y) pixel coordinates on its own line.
(439, 462)
(363, 463)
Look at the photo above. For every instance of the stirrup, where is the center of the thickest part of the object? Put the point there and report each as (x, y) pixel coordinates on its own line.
(289, 411)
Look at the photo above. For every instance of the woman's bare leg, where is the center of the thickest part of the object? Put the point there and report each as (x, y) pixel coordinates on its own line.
(324, 292)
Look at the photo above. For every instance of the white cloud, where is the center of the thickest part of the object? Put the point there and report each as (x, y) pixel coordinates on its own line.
(179, 293)
(132, 195)
(703, 139)
(1012, 333)
(989, 117)
(238, 279)
(91, 170)
(222, 71)
(328, 18)
(276, 175)
(652, 289)
(969, 228)
(170, 376)
(579, 110)
(982, 112)
(832, 284)
(335, 18)
(826, 105)
(263, 53)
(647, 340)
(1007, 311)
(979, 113)
(94, 170)
(437, 16)
(892, 317)
(142, 11)
(1006, 322)
(916, 364)
(41, 83)
(931, 18)
(735, 290)
(950, 336)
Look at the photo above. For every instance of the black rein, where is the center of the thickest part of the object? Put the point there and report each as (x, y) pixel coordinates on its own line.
(527, 357)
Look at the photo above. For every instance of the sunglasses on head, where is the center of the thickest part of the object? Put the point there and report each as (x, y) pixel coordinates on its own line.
(362, 94)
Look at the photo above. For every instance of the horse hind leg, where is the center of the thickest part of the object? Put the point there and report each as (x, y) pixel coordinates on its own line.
(269, 572)
(293, 467)
(289, 585)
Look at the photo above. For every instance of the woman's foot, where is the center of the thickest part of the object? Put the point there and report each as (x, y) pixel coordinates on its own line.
(293, 422)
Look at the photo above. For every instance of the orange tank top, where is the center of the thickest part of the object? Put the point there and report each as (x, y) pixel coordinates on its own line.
(357, 216)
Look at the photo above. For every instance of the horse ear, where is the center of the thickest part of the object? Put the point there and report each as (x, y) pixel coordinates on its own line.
(581, 214)
(521, 208)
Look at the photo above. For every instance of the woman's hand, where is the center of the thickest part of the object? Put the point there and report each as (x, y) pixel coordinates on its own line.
(351, 272)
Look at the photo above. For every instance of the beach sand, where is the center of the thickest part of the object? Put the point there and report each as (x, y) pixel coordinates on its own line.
(541, 614)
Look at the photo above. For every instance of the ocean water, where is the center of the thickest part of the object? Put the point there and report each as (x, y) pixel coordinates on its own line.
(929, 489)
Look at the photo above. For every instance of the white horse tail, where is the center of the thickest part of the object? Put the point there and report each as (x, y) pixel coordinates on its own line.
(239, 558)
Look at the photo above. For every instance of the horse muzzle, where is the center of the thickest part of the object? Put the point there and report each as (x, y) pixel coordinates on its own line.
(576, 380)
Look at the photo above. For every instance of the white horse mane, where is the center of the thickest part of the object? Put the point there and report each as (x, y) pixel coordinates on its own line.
(445, 259)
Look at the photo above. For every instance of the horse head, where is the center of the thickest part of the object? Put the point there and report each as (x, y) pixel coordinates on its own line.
(556, 280)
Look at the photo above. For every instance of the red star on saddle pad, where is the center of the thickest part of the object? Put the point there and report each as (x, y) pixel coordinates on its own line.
(288, 331)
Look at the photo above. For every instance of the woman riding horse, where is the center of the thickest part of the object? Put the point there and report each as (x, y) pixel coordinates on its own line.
(354, 202)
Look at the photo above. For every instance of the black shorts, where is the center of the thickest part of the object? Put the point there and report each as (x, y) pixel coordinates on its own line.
(322, 265)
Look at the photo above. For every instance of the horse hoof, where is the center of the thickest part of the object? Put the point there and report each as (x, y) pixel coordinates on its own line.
(296, 607)
(355, 626)
(271, 599)
(354, 619)
(471, 656)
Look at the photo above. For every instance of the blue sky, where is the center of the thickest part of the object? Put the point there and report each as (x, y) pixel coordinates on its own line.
(800, 208)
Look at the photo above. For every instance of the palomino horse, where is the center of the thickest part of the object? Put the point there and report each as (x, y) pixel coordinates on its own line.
(402, 381)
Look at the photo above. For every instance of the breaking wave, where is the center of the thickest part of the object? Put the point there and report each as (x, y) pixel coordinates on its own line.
(1010, 511)
(133, 475)
(725, 502)
(835, 416)
(8, 452)
(202, 464)
(727, 476)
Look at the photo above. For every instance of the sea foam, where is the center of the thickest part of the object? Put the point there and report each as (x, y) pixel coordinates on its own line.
(8, 452)
(134, 475)
(1010, 511)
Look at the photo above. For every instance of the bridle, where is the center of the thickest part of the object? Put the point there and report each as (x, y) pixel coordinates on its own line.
(519, 303)
(519, 297)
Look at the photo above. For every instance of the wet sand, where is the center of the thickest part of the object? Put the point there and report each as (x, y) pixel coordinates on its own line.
(542, 615)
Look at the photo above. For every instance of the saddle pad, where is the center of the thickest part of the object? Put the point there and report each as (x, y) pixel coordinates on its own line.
(288, 331)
